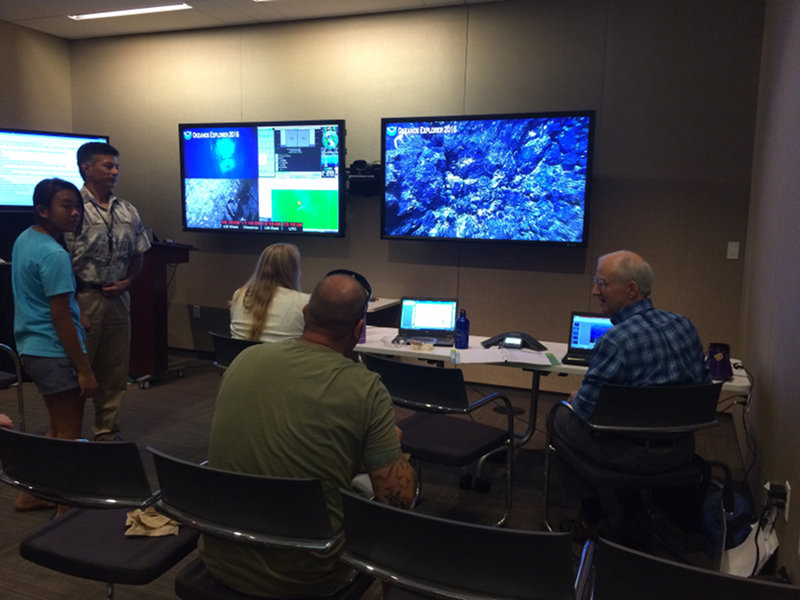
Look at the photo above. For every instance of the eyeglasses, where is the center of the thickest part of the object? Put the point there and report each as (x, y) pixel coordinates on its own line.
(358, 277)
(601, 283)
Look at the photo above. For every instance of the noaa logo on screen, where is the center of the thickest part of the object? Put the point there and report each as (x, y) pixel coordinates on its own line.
(187, 135)
(391, 130)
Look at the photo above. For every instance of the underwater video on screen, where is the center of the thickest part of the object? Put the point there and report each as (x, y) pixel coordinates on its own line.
(520, 178)
(283, 177)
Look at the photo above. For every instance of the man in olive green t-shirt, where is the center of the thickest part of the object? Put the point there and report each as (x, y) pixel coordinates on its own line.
(303, 409)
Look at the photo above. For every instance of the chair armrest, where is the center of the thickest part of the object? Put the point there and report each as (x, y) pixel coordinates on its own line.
(248, 537)
(442, 409)
(551, 415)
(583, 580)
(76, 499)
(509, 409)
(486, 399)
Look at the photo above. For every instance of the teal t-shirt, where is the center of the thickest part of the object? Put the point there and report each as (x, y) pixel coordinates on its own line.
(40, 269)
(296, 409)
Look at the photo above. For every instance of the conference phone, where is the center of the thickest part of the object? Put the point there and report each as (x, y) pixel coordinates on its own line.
(514, 339)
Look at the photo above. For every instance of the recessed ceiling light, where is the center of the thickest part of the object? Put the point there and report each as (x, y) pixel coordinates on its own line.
(130, 12)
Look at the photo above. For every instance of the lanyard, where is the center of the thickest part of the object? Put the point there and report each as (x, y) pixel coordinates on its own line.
(109, 225)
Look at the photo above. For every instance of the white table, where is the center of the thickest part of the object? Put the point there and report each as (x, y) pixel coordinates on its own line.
(378, 304)
(379, 341)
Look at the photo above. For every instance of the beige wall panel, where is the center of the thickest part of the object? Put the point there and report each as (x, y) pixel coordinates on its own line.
(678, 89)
(360, 69)
(682, 228)
(670, 173)
(536, 56)
(770, 318)
(137, 89)
(35, 81)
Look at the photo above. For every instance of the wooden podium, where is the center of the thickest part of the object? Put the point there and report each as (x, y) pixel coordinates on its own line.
(149, 359)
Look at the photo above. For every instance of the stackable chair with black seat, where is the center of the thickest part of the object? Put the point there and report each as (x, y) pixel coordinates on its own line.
(103, 480)
(227, 348)
(648, 415)
(248, 509)
(9, 379)
(423, 556)
(621, 573)
(435, 433)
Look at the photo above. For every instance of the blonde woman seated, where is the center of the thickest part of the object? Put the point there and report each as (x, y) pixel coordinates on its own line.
(269, 307)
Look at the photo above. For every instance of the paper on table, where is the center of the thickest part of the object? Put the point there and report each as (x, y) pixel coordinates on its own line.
(501, 355)
(529, 357)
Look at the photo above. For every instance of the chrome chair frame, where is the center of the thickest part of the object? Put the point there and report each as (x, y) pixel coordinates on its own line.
(423, 556)
(620, 573)
(252, 509)
(101, 480)
(441, 393)
(648, 412)
(18, 373)
(227, 348)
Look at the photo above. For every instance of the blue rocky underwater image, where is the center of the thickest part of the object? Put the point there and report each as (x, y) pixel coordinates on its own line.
(209, 202)
(506, 179)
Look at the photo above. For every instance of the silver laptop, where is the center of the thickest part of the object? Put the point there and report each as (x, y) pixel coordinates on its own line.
(584, 331)
(427, 320)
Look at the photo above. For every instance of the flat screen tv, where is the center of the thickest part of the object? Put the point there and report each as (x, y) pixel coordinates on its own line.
(510, 177)
(27, 157)
(263, 177)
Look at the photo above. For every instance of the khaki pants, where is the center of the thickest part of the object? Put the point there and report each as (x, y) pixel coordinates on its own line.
(108, 347)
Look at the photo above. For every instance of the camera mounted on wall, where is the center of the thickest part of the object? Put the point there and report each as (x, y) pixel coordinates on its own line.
(364, 178)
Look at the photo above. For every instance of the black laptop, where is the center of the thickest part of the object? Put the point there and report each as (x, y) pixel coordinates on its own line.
(585, 329)
(427, 320)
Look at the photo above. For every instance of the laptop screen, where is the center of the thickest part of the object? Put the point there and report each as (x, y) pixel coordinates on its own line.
(424, 315)
(587, 329)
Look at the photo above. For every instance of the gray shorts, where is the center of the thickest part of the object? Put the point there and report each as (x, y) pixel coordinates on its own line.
(51, 375)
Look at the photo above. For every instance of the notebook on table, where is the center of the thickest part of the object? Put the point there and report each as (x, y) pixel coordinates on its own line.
(427, 320)
(584, 331)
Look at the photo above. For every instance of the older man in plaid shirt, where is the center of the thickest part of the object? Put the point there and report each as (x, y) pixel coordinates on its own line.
(645, 346)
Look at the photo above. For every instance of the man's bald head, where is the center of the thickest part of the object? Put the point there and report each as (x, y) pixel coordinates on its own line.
(621, 278)
(629, 266)
(336, 305)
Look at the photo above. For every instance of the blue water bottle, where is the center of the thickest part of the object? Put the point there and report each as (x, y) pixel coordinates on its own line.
(462, 331)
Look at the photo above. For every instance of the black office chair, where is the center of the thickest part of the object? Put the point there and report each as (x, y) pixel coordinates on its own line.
(621, 573)
(9, 379)
(423, 556)
(250, 509)
(104, 480)
(227, 348)
(651, 414)
(435, 434)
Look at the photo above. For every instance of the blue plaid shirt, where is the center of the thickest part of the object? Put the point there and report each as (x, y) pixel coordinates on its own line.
(644, 347)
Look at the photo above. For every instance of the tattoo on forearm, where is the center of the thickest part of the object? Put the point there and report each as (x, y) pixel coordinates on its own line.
(396, 484)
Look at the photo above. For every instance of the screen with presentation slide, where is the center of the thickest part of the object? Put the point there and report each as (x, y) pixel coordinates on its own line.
(263, 177)
(512, 177)
(27, 157)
